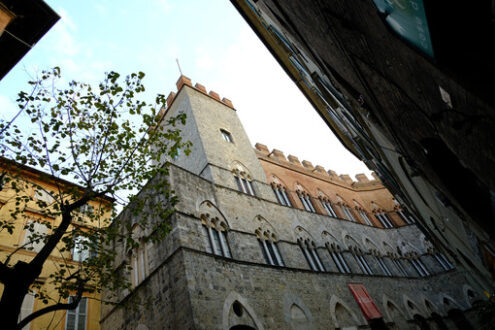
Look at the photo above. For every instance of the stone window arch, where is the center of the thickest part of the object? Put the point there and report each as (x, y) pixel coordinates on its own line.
(296, 313)
(308, 247)
(243, 178)
(358, 254)
(215, 228)
(471, 297)
(238, 314)
(281, 191)
(411, 308)
(336, 254)
(305, 198)
(267, 240)
(394, 314)
(342, 315)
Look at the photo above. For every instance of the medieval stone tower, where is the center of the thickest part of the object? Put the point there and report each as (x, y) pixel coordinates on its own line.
(261, 241)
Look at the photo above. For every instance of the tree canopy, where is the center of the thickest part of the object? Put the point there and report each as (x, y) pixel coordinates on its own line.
(89, 146)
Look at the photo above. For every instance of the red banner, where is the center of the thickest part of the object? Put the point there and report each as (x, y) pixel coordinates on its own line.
(364, 300)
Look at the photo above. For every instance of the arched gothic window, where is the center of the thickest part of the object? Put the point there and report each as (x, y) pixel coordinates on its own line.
(281, 194)
(365, 218)
(418, 265)
(306, 201)
(384, 220)
(244, 182)
(442, 260)
(311, 254)
(268, 245)
(216, 230)
(396, 261)
(348, 213)
(338, 258)
(381, 262)
(327, 205)
(359, 257)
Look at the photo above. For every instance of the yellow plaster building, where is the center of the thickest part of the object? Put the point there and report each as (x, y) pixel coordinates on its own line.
(17, 244)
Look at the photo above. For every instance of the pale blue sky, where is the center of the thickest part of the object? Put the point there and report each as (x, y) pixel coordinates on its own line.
(215, 47)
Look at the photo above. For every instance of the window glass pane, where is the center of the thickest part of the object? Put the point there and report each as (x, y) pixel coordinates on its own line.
(225, 245)
(71, 322)
(337, 262)
(310, 204)
(307, 255)
(250, 187)
(142, 263)
(216, 241)
(277, 254)
(244, 189)
(263, 251)
(238, 182)
(33, 233)
(286, 198)
(270, 251)
(278, 195)
(304, 202)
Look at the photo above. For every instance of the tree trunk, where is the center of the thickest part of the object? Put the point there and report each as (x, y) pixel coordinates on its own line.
(10, 305)
(16, 286)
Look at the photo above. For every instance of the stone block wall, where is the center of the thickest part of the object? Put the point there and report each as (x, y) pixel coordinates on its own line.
(190, 287)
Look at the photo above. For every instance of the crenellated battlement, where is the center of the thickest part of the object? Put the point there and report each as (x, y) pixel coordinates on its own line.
(183, 80)
(277, 156)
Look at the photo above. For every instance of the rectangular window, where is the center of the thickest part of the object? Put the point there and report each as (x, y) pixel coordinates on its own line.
(87, 209)
(80, 251)
(44, 196)
(34, 236)
(26, 309)
(76, 318)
